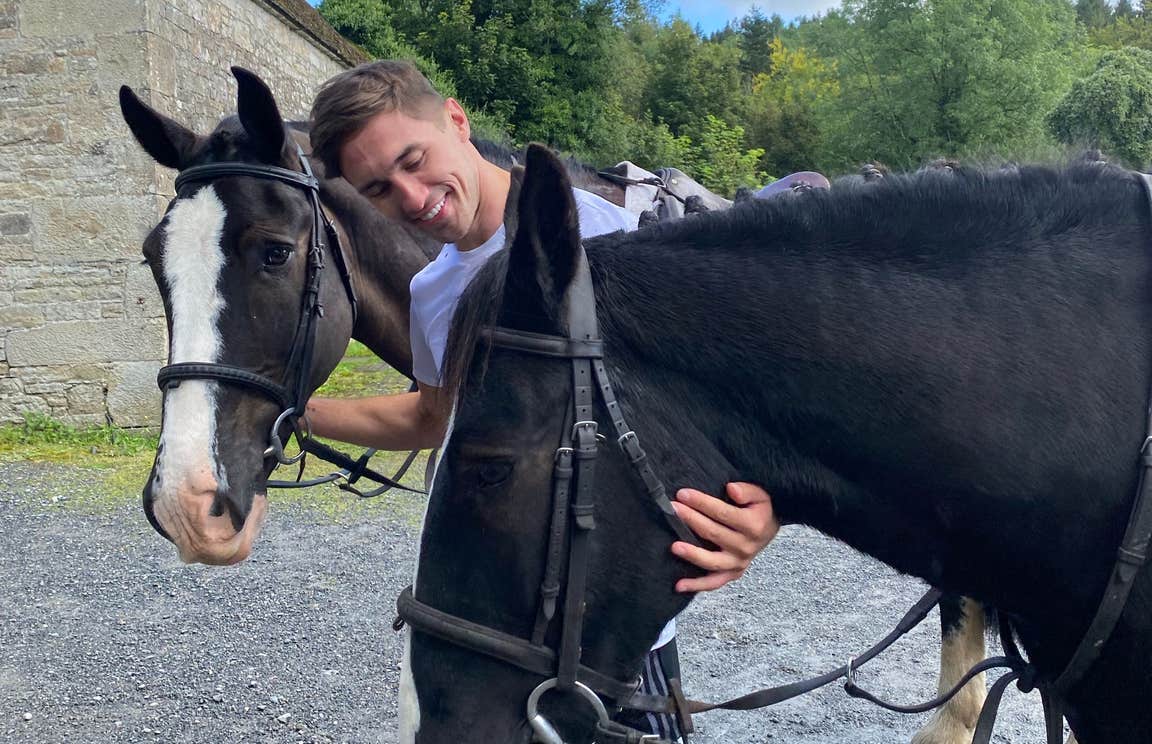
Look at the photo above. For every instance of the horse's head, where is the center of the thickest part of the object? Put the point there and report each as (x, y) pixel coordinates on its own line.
(233, 258)
(500, 546)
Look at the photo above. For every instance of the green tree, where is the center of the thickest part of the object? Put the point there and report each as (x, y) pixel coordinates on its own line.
(718, 160)
(1125, 31)
(757, 32)
(780, 112)
(1112, 108)
(923, 78)
(1093, 13)
(691, 78)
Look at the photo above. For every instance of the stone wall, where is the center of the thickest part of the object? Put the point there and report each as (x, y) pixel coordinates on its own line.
(82, 329)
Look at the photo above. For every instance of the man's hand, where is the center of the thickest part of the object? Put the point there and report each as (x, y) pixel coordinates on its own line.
(740, 530)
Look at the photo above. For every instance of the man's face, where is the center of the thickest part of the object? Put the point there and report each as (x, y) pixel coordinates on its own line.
(418, 170)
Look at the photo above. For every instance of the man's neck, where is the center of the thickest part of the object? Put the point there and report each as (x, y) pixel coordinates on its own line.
(494, 183)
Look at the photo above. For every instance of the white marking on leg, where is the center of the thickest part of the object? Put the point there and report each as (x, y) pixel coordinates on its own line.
(193, 261)
(409, 699)
(955, 722)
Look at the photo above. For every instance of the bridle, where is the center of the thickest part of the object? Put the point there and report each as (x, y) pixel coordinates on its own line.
(291, 394)
(573, 496)
(573, 515)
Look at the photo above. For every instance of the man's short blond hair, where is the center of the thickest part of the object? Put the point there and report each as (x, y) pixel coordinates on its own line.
(347, 101)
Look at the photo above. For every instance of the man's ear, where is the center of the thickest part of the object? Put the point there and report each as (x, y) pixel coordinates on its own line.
(458, 119)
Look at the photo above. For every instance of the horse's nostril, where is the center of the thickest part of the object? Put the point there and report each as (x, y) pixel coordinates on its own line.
(227, 503)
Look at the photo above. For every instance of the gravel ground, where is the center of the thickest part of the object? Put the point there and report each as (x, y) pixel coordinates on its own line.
(106, 637)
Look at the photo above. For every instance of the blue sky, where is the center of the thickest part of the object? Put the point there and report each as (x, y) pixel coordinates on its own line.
(711, 15)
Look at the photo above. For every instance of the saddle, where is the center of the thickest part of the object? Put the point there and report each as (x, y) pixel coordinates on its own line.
(669, 193)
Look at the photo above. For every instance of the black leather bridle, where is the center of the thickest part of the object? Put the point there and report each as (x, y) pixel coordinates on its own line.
(292, 394)
(573, 496)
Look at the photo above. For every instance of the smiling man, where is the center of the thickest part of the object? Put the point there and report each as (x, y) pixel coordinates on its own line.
(385, 129)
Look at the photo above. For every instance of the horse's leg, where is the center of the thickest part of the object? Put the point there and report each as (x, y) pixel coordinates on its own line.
(962, 647)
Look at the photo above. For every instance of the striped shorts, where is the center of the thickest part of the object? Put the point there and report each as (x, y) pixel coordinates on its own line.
(660, 664)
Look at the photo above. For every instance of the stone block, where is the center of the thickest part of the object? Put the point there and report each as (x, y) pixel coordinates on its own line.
(15, 224)
(13, 411)
(10, 388)
(87, 342)
(43, 388)
(17, 316)
(33, 63)
(90, 229)
(85, 398)
(55, 18)
(81, 420)
(141, 297)
(133, 399)
(72, 311)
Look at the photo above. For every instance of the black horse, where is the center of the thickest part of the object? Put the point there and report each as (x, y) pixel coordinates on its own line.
(228, 259)
(948, 372)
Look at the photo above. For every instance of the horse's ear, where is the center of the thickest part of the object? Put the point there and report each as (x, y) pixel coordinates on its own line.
(516, 180)
(260, 116)
(543, 254)
(169, 143)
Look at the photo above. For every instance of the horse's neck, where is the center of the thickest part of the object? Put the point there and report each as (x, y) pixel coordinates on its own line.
(829, 381)
(383, 258)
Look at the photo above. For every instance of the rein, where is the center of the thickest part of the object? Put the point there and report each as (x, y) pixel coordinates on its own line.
(575, 460)
(291, 395)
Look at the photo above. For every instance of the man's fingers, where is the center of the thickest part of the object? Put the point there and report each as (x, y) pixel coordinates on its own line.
(704, 526)
(709, 560)
(706, 583)
(721, 511)
(746, 493)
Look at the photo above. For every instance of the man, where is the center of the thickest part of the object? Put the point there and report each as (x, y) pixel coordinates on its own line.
(407, 149)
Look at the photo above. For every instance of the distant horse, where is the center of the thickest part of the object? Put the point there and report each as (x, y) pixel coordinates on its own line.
(948, 372)
(229, 259)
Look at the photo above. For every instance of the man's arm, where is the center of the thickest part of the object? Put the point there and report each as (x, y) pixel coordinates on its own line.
(739, 530)
(389, 422)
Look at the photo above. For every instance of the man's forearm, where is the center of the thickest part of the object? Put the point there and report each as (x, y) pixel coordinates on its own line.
(389, 422)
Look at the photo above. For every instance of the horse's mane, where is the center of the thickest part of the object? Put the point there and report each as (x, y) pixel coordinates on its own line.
(894, 224)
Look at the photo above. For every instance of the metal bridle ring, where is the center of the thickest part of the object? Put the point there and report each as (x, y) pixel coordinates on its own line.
(276, 446)
(542, 728)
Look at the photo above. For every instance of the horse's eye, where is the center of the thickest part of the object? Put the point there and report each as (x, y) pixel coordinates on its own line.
(277, 254)
(492, 474)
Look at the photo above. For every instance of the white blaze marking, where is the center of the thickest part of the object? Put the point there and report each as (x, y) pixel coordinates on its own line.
(409, 699)
(193, 260)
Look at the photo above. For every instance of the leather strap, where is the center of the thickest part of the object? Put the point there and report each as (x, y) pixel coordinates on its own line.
(539, 660)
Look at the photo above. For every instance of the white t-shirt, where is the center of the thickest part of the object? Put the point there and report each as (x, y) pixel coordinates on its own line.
(437, 288)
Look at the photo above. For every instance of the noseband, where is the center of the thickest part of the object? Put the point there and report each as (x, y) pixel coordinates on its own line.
(292, 394)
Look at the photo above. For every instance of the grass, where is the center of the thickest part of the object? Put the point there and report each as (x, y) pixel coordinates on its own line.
(119, 460)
